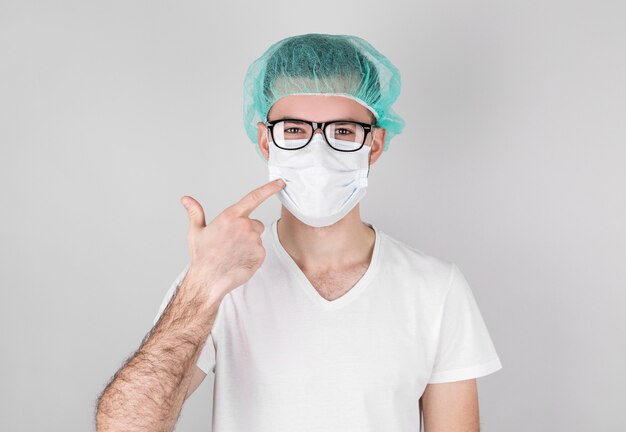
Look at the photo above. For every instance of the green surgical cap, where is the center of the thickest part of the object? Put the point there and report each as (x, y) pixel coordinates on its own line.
(314, 63)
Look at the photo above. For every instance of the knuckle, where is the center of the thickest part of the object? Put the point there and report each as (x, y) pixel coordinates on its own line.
(229, 216)
(226, 213)
(240, 226)
(249, 265)
(246, 224)
(255, 195)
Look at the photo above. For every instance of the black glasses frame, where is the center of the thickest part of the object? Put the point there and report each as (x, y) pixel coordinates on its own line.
(323, 125)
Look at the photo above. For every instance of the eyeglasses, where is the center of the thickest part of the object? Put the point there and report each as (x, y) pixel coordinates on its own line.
(294, 134)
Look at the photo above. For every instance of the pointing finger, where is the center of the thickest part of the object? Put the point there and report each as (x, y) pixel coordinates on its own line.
(254, 198)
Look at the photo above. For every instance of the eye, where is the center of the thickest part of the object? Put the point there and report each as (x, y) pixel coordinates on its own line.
(343, 131)
(293, 130)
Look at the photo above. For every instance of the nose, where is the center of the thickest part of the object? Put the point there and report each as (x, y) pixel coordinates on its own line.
(321, 136)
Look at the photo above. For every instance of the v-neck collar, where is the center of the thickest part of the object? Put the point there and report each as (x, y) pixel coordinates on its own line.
(349, 296)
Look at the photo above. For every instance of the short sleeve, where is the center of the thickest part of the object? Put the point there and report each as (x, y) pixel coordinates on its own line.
(464, 347)
(206, 360)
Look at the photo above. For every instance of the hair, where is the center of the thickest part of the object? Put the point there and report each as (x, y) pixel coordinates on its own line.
(313, 55)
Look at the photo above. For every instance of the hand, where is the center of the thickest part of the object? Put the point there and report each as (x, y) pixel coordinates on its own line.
(228, 251)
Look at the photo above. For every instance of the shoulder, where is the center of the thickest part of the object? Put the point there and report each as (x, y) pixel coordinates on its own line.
(398, 257)
(401, 256)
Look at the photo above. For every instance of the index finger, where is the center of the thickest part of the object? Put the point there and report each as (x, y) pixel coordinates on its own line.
(254, 198)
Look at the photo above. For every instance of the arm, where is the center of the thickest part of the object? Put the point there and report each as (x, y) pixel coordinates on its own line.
(148, 392)
(451, 407)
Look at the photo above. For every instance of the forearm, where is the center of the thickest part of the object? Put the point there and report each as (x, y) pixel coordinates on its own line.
(148, 392)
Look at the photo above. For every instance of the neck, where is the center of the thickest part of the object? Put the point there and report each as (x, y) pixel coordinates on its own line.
(345, 244)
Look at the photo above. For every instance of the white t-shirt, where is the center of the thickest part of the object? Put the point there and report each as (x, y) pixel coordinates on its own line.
(286, 359)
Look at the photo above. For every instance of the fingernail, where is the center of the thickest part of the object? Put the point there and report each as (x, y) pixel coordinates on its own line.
(186, 203)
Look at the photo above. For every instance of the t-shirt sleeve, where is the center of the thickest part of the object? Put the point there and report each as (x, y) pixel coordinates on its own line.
(206, 360)
(464, 348)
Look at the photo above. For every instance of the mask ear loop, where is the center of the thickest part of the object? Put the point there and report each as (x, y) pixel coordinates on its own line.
(267, 132)
(369, 156)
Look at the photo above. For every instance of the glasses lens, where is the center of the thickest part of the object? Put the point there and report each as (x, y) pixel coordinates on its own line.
(291, 135)
(345, 136)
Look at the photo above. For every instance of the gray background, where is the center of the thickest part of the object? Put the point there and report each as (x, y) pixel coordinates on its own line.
(511, 165)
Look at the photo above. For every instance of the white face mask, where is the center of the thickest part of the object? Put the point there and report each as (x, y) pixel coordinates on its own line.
(322, 184)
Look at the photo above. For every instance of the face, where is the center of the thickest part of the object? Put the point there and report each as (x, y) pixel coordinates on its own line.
(321, 108)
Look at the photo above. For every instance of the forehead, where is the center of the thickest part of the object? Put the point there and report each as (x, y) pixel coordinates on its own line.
(320, 108)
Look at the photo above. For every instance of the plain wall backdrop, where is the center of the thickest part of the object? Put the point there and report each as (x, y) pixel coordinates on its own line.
(511, 165)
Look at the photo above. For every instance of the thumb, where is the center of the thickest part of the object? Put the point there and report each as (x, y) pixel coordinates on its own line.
(194, 211)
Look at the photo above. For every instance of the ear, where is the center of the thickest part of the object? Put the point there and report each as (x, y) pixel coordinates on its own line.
(262, 140)
(378, 143)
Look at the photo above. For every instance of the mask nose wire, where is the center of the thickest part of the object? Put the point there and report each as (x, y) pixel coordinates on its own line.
(323, 135)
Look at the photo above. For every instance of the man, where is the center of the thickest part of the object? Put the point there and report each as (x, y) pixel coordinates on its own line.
(321, 322)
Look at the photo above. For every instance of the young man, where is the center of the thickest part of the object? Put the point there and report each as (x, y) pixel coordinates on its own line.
(336, 326)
